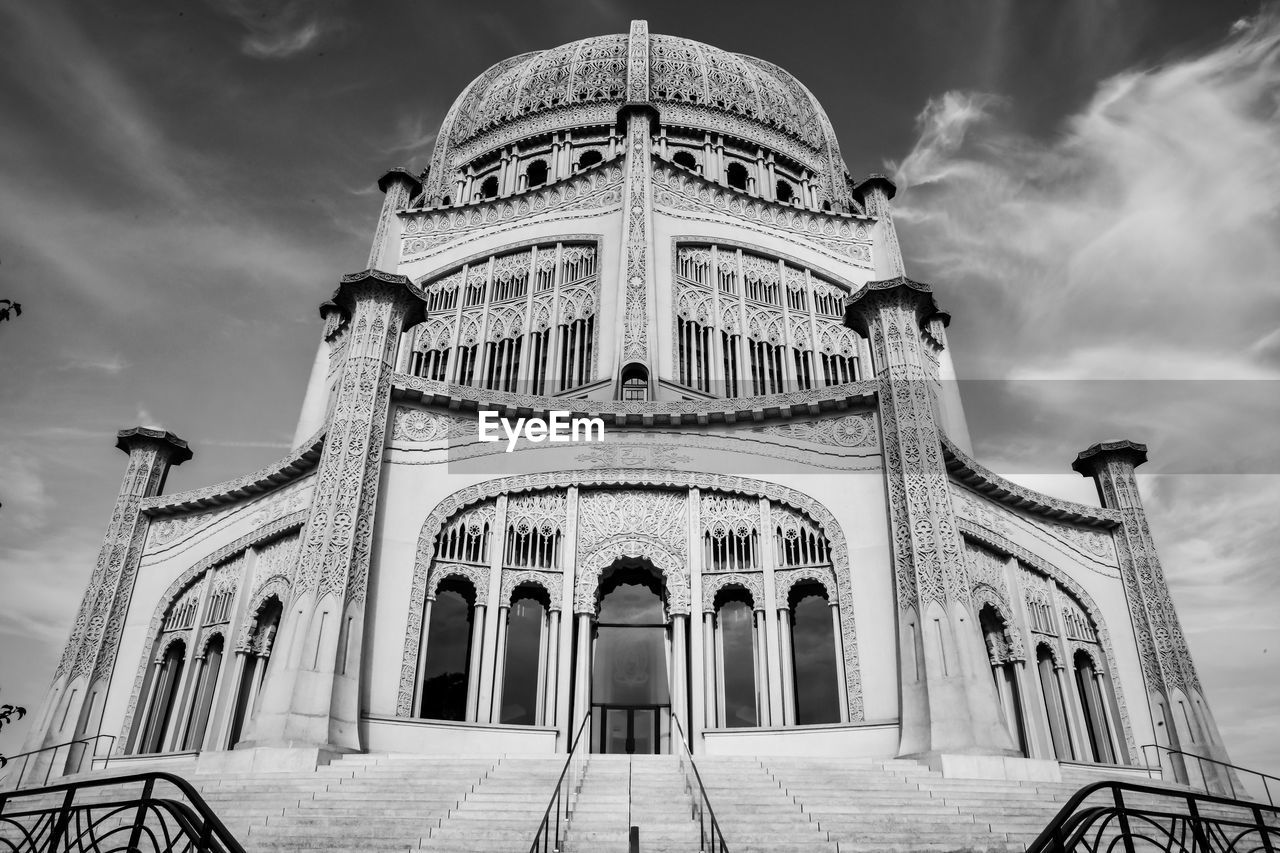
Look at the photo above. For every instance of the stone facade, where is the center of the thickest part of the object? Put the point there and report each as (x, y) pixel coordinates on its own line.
(661, 237)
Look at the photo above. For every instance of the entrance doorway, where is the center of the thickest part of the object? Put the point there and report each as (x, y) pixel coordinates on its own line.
(630, 694)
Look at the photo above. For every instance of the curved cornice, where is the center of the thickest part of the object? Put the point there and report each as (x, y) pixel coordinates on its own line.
(637, 413)
(299, 462)
(964, 469)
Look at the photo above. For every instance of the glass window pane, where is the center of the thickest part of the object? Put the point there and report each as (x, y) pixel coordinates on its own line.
(630, 666)
(444, 690)
(739, 664)
(524, 652)
(815, 662)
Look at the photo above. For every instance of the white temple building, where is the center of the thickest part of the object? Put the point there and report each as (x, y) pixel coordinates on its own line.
(770, 535)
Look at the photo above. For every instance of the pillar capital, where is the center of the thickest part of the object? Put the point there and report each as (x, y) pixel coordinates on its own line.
(135, 438)
(400, 175)
(1092, 459)
(862, 306)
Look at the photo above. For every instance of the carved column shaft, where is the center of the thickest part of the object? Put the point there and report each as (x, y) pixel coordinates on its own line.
(1166, 661)
(948, 704)
(398, 187)
(90, 653)
(311, 699)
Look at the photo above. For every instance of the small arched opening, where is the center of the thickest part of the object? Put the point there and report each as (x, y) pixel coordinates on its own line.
(536, 173)
(813, 650)
(736, 653)
(736, 176)
(489, 187)
(253, 664)
(784, 192)
(1092, 690)
(995, 632)
(162, 719)
(686, 159)
(589, 158)
(525, 664)
(635, 382)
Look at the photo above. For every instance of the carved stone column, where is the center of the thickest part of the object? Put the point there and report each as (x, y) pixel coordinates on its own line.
(1178, 708)
(83, 673)
(399, 186)
(949, 703)
(311, 696)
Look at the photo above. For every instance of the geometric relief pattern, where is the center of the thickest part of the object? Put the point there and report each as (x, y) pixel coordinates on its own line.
(848, 431)
(548, 582)
(423, 426)
(667, 545)
(752, 582)
(632, 523)
(286, 528)
(1042, 571)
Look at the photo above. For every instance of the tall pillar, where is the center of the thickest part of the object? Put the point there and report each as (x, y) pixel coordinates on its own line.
(582, 672)
(311, 697)
(398, 186)
(84, 671)
(948, 704)
(552, 679)
(1167, 667)
(786, 659)
(679, 676)
(638, 330)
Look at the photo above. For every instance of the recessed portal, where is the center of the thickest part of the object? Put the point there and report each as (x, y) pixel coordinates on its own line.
(630, 695)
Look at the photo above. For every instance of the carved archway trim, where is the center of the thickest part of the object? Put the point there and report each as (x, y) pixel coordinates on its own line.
(752, 582)
(268, 532)
(1004, 546)
(548, 582)
(984, 595)
(607, 477)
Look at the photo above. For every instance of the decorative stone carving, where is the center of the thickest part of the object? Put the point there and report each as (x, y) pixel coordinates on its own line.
(752, 582)
(540, 511)
(272, 531)
(724, 514)
(1038, 580)
(635, 270)
(630, 456)
(549, 582)
(785, 579)
(855, 431)
(424, 426)
(670, 478)
(633, 523)
(477, 576)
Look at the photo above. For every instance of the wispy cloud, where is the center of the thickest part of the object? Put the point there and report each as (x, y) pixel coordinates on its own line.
(1149, 219)
(111, 364)
(281, 30)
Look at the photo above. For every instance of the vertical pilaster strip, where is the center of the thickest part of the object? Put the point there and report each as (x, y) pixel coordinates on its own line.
(637, 267)
(945, 706)
(1162, 648)
(399, 186)
(90, 654)
(310, 698)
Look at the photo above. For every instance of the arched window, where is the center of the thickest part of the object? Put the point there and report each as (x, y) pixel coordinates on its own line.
(736, 176)
(589, 158)
(489, 187)
(635, 382)
(209, 664)
(784, 192)
(826, 206)
(446, 200)
(686, 159)
(736, 654)
(253, 664)
(525, 664)
(813, 650)
(1092, 690)
(161, 714)
(1055, 710)
(536, 173)
(447, 676)
(995, 631)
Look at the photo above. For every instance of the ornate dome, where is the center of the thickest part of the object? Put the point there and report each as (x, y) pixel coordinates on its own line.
(692, 84)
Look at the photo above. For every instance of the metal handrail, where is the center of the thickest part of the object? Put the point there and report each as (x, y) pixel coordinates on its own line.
(26, 756)
(710, 838)
(1177, 823)
(153, 824)
(548, 838)
(1202, 759)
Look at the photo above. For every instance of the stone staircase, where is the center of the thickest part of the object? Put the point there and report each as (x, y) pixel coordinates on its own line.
(490, 803)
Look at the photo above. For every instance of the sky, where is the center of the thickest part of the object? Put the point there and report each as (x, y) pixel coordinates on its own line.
(1093, 188)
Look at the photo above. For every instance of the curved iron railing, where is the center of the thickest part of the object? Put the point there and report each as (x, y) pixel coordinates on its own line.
(555, 820)
(1159, 747)
(27, 756)
(1108, 816)
(709, 835)
(136, 813)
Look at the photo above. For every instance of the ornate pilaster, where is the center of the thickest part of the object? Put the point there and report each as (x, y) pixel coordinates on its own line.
(90, 653)
(636, 273)
(399, 186)
(1166, 662)
(311, 698)
(876, 191)
(948, 703)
